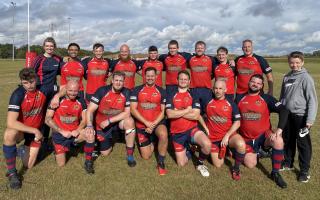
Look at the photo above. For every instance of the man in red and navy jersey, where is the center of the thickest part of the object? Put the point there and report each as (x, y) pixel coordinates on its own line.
(223, 121)
(147, 107)
(73, 69)
(127, 65)
(183, 111)
(224, 70)
(47, 67)
(249, 64)
(255, 108)
(68, 122)
(24, 119)
(96, 70)
(201, 67)
(109, 110)
(173, 62)
(152, 61)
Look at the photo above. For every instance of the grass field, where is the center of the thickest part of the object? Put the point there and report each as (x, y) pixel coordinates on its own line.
(115, 180)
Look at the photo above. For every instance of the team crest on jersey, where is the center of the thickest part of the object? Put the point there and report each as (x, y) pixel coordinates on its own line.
(37, 96)
(76, 107)
(225, 108)
(251, 63)
(258, 102)
(154, 94)
(227, 70)
(119, 100)
(79, 70)
(204, 60)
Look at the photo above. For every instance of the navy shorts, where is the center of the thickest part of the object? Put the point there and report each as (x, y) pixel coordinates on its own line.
(181, 140)
(61, 143)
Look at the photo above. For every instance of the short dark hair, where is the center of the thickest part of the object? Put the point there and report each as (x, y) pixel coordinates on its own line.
(173, 42)
(27, 74)
(50, 39)
(150, 69)
(98, 45)
(259, 76)
(247, 40)
(152, 48)
(118, 73)
(74, 44)
(184, 72)
(200, 43)
(296, 54)
(222, 48)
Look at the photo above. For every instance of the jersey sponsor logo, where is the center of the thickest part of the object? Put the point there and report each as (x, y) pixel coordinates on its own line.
(98, 72)
(246, 71)
(111, 112)
(68, 119)
(148, 106)
(174, 68)
(72, 78)
(128, 73)
(219, 119)
(251, 116)
(32, 112)
(199, 69)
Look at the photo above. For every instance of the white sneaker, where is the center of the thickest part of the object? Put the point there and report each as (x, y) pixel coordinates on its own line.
(203, 170)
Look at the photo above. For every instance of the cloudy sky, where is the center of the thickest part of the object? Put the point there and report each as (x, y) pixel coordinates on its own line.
(276, 26)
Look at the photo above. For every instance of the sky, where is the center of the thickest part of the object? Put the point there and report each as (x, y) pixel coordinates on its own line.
(276, 27)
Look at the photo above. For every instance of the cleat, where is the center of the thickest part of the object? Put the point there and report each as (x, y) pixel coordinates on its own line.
(88, 166)
(235, 174)
(203, 170)
(14, 181)
(161, 169)
(132, 163)
(276, 177)
(304, 177)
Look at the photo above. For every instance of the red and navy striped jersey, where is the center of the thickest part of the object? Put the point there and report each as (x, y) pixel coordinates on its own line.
(47, 69)
(72, 70)
(110, 103)
(255, 114)
(68, 115)
(96, 73)
(30, 106)
(129, 68)
(246, 66)
(149, 101)
(201, 71)
(179, 101)
(220, 116)
(174, 64)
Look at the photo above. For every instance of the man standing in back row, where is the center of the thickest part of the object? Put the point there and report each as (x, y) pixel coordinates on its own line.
(249, 64)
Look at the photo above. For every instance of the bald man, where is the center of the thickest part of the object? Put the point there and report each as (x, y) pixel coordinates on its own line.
(67, 122)
(127, 65)
(223, 121)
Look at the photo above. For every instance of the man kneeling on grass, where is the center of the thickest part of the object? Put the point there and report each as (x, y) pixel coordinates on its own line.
(68, 122)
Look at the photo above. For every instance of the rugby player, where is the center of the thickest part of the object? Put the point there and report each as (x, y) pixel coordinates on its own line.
(183, 112)
(249, 64)
(255, 108)
(109, 110)
(225, 70)
(174, 62)
(223, 121)
(68, 122)
(24, 119)
(147, 107)
(96, 70)
(127, 65)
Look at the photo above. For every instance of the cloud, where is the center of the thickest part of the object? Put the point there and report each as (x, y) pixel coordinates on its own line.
(266, 8)
(290, 27)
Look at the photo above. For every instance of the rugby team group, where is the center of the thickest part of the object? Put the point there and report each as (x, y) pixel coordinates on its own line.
(198, 117)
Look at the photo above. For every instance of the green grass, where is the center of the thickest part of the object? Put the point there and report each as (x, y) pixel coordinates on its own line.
(115, 180)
